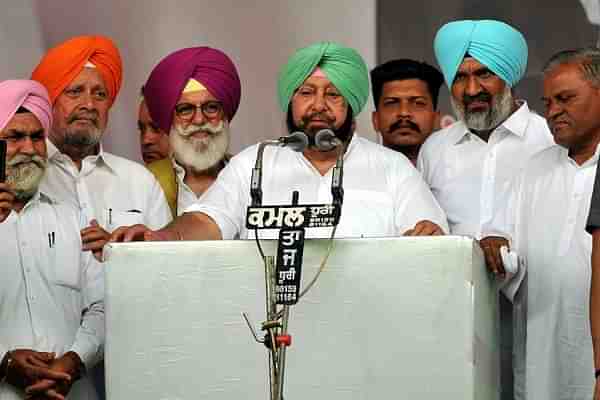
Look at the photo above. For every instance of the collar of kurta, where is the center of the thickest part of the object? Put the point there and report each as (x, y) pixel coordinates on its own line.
(515, 124)
(99, 159)
(593, 160)
(40, 197)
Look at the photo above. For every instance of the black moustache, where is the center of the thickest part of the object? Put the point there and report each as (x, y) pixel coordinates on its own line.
(319, 116)
(404, 124)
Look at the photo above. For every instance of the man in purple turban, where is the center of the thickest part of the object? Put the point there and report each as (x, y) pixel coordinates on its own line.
(193, 94)
(52, 309)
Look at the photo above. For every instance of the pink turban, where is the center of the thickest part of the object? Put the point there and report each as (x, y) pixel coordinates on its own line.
(30, 95)
(211, 67)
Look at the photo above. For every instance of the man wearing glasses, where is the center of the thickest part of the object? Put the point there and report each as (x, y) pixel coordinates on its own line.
(192, 94)
(322, 86)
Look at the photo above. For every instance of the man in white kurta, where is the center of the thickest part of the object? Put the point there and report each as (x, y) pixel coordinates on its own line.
(83, 78)
(383, 193)
(193, 94)
(51, 293)
(553, 352)
(323, 86)
(469, 164)
(545, 220)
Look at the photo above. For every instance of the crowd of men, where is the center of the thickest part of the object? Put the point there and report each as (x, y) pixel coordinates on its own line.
(519, 183)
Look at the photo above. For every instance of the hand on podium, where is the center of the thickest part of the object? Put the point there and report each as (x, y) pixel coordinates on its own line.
(491, 249)
(138, 233)
(425, 228)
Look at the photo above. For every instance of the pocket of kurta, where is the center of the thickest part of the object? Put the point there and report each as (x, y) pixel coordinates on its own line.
(67, 268)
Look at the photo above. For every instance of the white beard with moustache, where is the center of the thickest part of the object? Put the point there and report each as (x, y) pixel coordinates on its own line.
(500, 109)
(24, 173)
(199, 154)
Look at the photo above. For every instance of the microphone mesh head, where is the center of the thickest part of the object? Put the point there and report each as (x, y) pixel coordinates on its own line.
(297, 141)
(325, 140)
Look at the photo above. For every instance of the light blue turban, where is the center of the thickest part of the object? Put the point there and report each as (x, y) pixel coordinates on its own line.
(497, 45)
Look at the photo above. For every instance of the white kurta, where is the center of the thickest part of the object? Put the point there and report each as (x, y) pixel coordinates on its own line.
(51, 293)
(113, 190)
(470, 177)
(546, 217)
(384, 195)
(185, 195)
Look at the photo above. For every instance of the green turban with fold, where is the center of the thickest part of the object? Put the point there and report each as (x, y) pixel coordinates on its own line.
(343, 66)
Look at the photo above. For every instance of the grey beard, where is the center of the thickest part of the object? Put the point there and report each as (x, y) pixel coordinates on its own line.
(82, 138)
(499, 111)
(23, 175)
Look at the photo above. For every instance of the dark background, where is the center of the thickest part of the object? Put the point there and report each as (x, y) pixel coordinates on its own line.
(406, 30)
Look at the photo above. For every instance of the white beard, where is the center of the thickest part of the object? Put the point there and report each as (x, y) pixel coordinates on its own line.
(24, 173)
(500, 109)
(199, 154)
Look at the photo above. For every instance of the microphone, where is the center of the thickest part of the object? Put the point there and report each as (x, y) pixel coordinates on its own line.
(325, 140)
(296, 141)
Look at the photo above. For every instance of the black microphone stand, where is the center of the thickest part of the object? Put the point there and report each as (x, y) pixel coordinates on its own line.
(277, 338)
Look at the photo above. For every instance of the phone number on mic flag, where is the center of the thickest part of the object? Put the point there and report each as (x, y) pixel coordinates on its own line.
(301, 216)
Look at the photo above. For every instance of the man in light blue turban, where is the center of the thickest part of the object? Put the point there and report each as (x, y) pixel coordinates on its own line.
(321, 87)
(469, 165)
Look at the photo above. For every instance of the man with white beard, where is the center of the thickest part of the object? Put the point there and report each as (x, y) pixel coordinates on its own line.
(193, 94)
(51, 292)
(469, 164)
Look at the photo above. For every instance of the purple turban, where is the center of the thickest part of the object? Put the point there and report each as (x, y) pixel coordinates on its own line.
(211, 67)
(30, 95)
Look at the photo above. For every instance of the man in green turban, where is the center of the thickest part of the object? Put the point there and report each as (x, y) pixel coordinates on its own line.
(322, 86)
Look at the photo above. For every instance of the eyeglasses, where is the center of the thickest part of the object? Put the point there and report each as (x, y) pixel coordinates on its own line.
(187, 111)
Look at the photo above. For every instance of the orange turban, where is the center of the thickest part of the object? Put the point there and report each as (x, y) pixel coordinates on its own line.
(61, 65)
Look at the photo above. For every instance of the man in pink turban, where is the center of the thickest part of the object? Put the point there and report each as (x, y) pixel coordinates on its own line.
(192, 94)
(52, 309)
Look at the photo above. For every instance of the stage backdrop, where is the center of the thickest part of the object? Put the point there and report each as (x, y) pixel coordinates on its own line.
(548, 26)
(258, 35)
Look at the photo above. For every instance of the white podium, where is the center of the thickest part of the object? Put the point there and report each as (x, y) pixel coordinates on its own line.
(403, 318)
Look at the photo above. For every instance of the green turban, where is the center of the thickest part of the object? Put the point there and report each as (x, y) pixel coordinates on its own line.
(343, 66)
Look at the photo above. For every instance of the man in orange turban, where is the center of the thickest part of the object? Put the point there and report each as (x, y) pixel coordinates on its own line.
(61, 65)
(83, 78)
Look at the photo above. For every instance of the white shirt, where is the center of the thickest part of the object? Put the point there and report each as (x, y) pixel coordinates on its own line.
(51, 293)
(113, 190)
(384, 195)
(469, 177)
(185, 195)
(546, 217)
